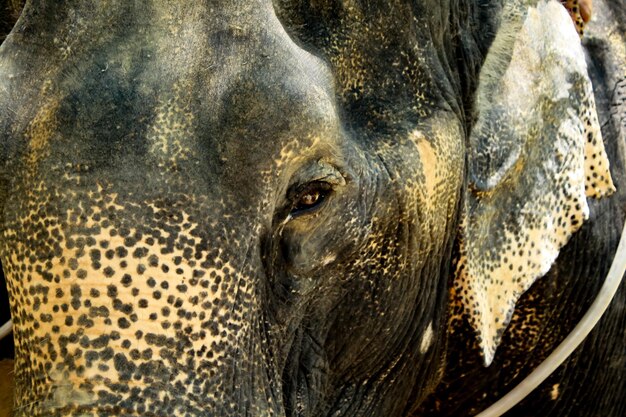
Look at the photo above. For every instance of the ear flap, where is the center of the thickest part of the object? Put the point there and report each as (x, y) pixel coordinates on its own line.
(535, 155)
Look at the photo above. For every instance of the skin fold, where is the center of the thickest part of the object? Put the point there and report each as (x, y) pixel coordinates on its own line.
(217, 208)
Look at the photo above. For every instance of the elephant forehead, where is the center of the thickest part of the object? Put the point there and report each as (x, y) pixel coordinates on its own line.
(195, 92)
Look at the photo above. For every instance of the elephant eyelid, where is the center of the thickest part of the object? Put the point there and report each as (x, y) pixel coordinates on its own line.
(308, 198)
(311, 187)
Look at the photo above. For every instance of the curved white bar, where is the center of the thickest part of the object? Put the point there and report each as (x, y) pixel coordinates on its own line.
(572, 341)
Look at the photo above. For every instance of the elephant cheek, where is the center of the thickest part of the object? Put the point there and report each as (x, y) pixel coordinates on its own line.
(439, 174)
(431, 176)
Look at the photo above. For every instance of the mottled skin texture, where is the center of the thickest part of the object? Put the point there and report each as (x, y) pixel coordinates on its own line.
(580, 11)
(159, 259)
(590, 383)
(148, 238)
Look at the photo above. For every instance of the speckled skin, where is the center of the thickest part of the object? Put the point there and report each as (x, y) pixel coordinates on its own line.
(580, 12)
(154, 257)
(590, 382)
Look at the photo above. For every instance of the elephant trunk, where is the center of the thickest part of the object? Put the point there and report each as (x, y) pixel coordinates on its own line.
(138, 383)
(127, 309)
(141, 370)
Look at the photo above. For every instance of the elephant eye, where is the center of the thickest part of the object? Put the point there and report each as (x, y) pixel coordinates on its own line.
(310, 196)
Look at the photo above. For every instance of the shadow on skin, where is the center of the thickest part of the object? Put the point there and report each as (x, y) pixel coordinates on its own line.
(6, 387)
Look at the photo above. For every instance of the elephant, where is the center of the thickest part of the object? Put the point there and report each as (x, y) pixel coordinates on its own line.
(310, 208)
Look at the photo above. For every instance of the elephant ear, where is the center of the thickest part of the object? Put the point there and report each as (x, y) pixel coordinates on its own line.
(535, 155)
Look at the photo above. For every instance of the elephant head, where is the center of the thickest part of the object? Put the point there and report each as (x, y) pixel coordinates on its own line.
(227, 209)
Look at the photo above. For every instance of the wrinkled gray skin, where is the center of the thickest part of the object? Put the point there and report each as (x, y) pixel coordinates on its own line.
(213, 208)
(590, 382)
